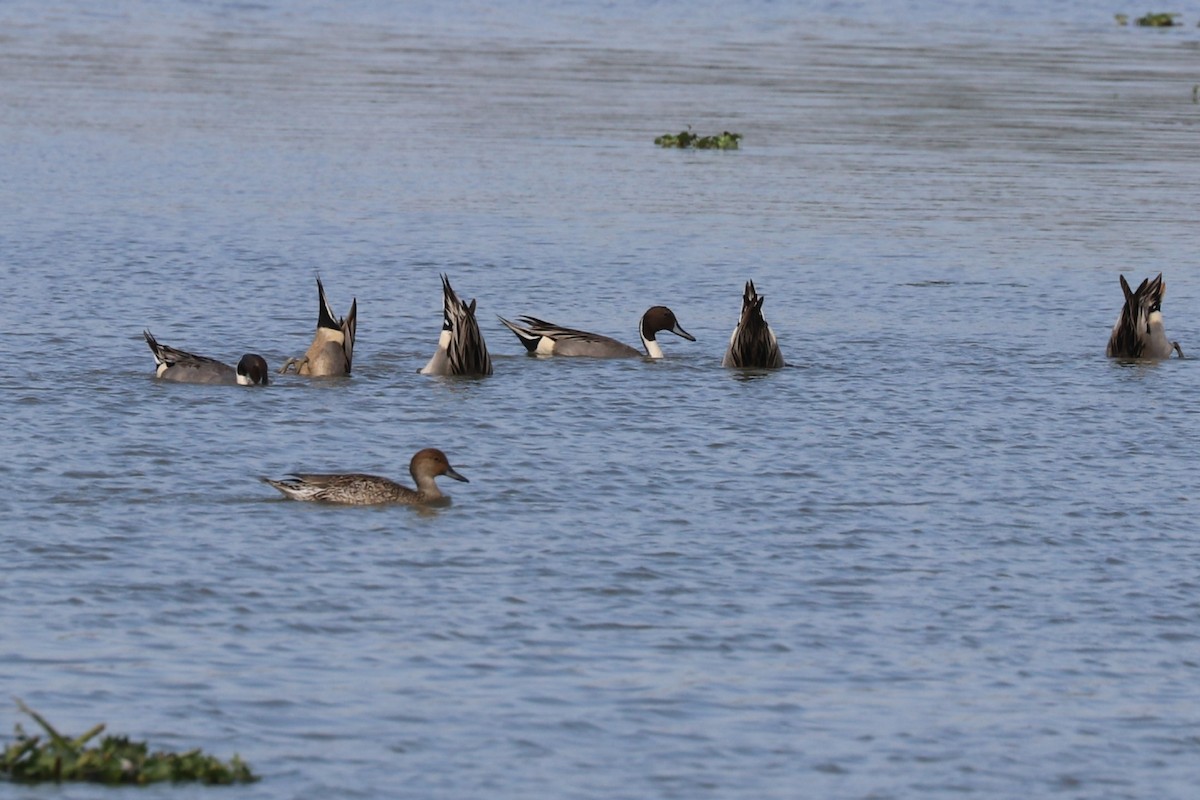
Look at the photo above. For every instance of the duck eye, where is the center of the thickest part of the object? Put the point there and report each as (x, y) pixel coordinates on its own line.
(447, 325)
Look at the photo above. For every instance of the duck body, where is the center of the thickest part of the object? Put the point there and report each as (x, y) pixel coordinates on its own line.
(752, 344)
(461, 348)
(181, 366)
(546, 338)
(356, 488)
(332, 350)
(1139, 331)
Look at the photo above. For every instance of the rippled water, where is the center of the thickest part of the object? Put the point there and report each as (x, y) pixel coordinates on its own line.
(950, 550)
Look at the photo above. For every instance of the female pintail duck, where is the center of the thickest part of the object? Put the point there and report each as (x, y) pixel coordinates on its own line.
(332, 349)
(177, 365)
(1139, 331)
(358, 489)
(752, 345)
(461, 349)
(544, 338)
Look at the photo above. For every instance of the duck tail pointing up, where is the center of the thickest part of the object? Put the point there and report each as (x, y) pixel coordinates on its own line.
(325, 316)
(526, 337)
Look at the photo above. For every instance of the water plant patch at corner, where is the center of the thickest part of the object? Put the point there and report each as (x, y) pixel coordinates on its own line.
(116, 760)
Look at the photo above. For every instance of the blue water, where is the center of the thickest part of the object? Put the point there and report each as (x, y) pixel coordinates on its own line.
(950, 550)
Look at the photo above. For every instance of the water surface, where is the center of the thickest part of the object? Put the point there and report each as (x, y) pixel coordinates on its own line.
(949, 550)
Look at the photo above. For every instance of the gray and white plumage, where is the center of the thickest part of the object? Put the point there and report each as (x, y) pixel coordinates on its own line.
(545, 338)
(1139, 330)
(332, 350)
(461, 349)
(753, 344)
(356, 488)
(171, 364)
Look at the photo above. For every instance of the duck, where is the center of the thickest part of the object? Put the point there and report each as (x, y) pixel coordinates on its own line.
(752, 344)
(461, 349)
(179, 365)
(1139, 331)
(545, 338)
(332, 350)
(355, 488)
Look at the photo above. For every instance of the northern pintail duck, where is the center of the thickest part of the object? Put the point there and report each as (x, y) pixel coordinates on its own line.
(752, 344)
(461, 349)
(1139, 332)
(545, 338)
(178, 365)
(332, 349)
(358, 489)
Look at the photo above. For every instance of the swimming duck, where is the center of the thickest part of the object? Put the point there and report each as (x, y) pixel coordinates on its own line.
(752, 344)
(461, 349)
(1139, 332)
(358, 489)
(544, 338)
(332, 348)
(178, 365)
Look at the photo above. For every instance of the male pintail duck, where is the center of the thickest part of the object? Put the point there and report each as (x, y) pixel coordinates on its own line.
(359, 489)
(332, 348)
(461, 349)
(543, 338)
(1139, 331)
(752, 345)
(177, 365)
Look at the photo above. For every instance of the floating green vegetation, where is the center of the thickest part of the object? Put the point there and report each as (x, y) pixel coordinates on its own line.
(116, 761)
(1153, 20)
(1158, 20)
(725, 141)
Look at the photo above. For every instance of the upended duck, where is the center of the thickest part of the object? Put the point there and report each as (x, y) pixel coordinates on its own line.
(545, 338)
(1139, 331)
(753, 344)
(461, 349)
(183, 367)
(332, 350)
(358, 489)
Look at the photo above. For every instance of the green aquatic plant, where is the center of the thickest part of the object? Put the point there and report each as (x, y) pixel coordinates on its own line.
(684, 139)
(115, 761)
(1159, 20)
